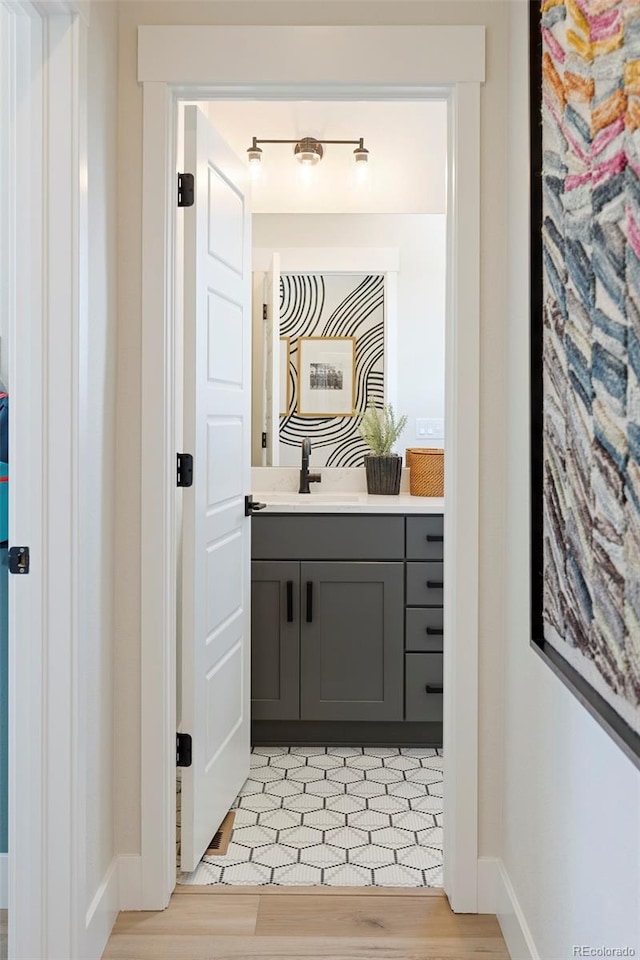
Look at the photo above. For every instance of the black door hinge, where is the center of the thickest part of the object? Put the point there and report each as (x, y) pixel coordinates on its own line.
(264, 441)
(265, 311)
(184, 470)
(186, 190)
(184, 749)
(19, 560)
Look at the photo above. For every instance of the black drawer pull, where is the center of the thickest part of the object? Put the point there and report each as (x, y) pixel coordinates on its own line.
(431, 689)
(435, 632)
(435, 584)
(435, 538)
(289, 601)
(309, 602)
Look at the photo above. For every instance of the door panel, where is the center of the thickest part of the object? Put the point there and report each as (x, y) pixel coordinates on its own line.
(352, 639)
(275, 640)
(215, 627)
(225, 353)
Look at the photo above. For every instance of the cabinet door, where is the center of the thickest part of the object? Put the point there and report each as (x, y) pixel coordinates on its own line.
(275, 640)
(352, 625)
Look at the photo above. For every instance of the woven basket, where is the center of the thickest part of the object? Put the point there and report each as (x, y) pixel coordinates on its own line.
(427, 471)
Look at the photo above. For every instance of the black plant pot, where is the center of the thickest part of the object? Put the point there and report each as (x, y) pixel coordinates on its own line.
(383, 474)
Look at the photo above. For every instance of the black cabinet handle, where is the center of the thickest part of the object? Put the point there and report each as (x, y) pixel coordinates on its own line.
(435, 632)
(435, 584)
(431, 689)
(309, 602)
(435, 538)
(289, 601)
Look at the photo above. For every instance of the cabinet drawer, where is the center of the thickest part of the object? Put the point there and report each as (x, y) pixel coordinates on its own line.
(424, 584)
(424, 629)
(286, 537)
(423, 686)
(425, 538)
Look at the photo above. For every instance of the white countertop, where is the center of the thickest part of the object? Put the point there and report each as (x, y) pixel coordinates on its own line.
(346, 502)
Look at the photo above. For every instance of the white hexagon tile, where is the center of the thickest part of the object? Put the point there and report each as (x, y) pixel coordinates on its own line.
(335, 816)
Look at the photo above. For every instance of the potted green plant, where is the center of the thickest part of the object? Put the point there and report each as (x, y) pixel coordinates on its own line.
(380, 430)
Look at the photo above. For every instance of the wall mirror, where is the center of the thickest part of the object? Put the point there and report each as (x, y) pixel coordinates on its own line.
(349, 271)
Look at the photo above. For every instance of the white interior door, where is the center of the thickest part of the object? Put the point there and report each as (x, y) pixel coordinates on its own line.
(273, 372)
(216, 533)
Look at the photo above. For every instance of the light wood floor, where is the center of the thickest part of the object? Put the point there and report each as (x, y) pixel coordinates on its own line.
(262, 923)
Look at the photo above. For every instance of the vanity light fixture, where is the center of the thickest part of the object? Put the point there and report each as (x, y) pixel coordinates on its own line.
(308, 151)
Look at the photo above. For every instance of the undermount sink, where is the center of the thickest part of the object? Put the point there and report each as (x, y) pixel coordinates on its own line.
(277, 497)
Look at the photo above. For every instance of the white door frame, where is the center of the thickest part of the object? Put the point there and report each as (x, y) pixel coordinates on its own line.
(268, 63)
(49, 912)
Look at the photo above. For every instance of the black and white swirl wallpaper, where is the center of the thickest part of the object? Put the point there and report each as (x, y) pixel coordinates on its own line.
(332, 305)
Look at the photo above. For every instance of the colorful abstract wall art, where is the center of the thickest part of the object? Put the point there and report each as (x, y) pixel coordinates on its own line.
(585, 128)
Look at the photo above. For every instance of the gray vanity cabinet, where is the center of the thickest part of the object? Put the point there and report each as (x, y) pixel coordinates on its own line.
(424, 620)
(347, 629)
(351, 641)
(275, 646)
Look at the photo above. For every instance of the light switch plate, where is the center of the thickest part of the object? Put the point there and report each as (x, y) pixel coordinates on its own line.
(429, 429)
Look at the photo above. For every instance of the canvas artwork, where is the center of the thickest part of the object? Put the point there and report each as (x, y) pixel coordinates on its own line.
(586, 337)
(335, 328)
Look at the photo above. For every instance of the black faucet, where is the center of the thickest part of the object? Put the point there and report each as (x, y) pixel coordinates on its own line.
(305, 477)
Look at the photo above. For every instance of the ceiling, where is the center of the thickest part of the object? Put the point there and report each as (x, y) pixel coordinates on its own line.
(407, 142)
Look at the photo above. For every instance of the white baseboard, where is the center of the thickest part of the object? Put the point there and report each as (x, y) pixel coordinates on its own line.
(496, 895)
(488, 880)
(130, 882)
(4, 881)
(101, 915)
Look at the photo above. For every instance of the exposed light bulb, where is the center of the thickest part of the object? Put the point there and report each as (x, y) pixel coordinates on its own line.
(308, 151)
(254, 156)
(361, 157)
(306, 173)
(362, 172)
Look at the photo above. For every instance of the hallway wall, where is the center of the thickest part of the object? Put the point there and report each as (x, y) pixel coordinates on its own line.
(570, 841)
(97, 450)
(491, 13)
(559, 804)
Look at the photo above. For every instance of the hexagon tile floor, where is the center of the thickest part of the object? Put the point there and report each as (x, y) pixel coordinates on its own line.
(335, 816)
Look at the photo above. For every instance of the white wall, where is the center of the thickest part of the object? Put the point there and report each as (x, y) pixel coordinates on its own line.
(421, 241)
(395, 133)
(6, 190)
(558, 801)
(571, 800)
(492, 411)
(97, 417)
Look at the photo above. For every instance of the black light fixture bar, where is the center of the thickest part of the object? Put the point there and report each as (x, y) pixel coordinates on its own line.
(359, 143)
(308, 150)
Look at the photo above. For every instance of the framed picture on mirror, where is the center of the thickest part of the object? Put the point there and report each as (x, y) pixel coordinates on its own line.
(326, 376)
(285, 379)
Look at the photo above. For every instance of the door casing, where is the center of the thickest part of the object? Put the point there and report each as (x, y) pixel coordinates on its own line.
(52, 911)
(266, 63)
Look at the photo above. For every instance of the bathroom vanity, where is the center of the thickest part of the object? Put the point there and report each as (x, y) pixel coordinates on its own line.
(347, 626)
